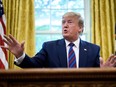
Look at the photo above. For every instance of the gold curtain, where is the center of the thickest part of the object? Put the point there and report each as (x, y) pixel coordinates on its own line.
(20, 24)
(103, 14)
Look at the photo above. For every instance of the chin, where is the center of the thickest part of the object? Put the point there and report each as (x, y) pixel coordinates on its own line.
(66, 37)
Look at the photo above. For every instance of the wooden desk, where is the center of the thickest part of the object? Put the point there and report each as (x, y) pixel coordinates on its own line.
(83, 77)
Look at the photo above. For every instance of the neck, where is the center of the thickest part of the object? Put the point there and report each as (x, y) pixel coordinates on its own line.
(71, 40)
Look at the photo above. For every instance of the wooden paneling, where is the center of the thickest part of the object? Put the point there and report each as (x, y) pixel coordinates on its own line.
(83, 77)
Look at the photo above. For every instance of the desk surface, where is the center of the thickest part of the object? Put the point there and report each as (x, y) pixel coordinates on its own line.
(82, 77)
(58, 73)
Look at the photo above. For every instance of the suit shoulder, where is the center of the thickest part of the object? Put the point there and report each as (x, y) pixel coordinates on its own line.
(54, 41)
(90, 44)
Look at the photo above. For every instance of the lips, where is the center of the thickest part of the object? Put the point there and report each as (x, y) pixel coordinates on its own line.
(65, 31)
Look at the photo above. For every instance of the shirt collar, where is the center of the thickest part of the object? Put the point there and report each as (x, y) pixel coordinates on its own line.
(75, 42)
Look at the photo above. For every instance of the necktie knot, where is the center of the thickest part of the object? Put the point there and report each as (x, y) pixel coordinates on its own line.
(71, 44)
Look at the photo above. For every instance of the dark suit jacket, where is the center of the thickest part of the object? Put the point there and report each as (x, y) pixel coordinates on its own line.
(53, 55)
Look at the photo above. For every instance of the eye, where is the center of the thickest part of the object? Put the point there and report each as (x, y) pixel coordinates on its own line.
(70, 21)
(63, 22)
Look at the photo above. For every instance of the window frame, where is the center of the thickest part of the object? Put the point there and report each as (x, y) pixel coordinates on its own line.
(87, 29)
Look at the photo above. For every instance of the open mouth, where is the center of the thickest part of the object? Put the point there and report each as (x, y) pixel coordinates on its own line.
(65, 31)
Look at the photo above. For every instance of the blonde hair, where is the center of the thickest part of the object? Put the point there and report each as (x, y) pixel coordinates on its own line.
(77, 15)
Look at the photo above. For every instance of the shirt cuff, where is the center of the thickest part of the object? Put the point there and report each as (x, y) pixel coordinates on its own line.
(19, 60)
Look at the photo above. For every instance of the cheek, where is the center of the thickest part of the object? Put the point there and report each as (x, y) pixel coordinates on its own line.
(74, 30)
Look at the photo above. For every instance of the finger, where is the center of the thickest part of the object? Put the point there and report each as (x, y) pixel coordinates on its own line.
(114, 63)
(7, 39)
(4, 47)
(13, 39)
(7, 42)
(113, 59)
(110, 58)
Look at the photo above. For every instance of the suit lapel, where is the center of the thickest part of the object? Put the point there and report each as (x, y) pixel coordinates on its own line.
(61, 48)
(82, 54)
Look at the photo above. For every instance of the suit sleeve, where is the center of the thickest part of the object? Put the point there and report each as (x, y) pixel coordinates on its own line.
(38, 61)
(97, 63)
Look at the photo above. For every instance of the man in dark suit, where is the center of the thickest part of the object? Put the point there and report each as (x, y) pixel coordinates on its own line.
(54, 54)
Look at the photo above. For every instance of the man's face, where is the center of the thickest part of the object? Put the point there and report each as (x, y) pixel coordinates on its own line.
(70, 28)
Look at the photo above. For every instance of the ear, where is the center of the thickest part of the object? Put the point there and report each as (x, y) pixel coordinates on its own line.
(80, 30)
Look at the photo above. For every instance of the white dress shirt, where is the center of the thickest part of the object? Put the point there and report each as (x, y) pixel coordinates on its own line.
(19, 60)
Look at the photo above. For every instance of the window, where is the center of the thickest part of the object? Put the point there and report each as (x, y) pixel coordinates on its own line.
(48, 15)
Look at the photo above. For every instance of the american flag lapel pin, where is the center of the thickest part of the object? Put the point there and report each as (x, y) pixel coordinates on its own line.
(85, 49)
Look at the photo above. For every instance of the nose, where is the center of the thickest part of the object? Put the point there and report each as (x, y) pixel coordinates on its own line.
(65, 25)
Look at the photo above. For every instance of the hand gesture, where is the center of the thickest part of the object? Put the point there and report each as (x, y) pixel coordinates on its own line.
(110, 62)
(13, 46)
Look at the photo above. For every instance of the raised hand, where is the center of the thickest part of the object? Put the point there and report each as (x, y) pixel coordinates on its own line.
(13, 46)
(111, 61)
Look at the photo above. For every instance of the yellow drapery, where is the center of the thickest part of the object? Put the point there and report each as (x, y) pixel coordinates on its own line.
(20, 24)
(103, 25)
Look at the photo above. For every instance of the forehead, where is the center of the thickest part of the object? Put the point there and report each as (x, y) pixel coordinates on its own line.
(69, 18)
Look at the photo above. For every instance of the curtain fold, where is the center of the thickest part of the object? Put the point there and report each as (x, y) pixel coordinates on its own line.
(20, 24)
(103, 24)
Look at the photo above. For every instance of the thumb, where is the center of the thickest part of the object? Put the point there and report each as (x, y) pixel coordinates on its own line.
(22, 44)
(101, 60)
